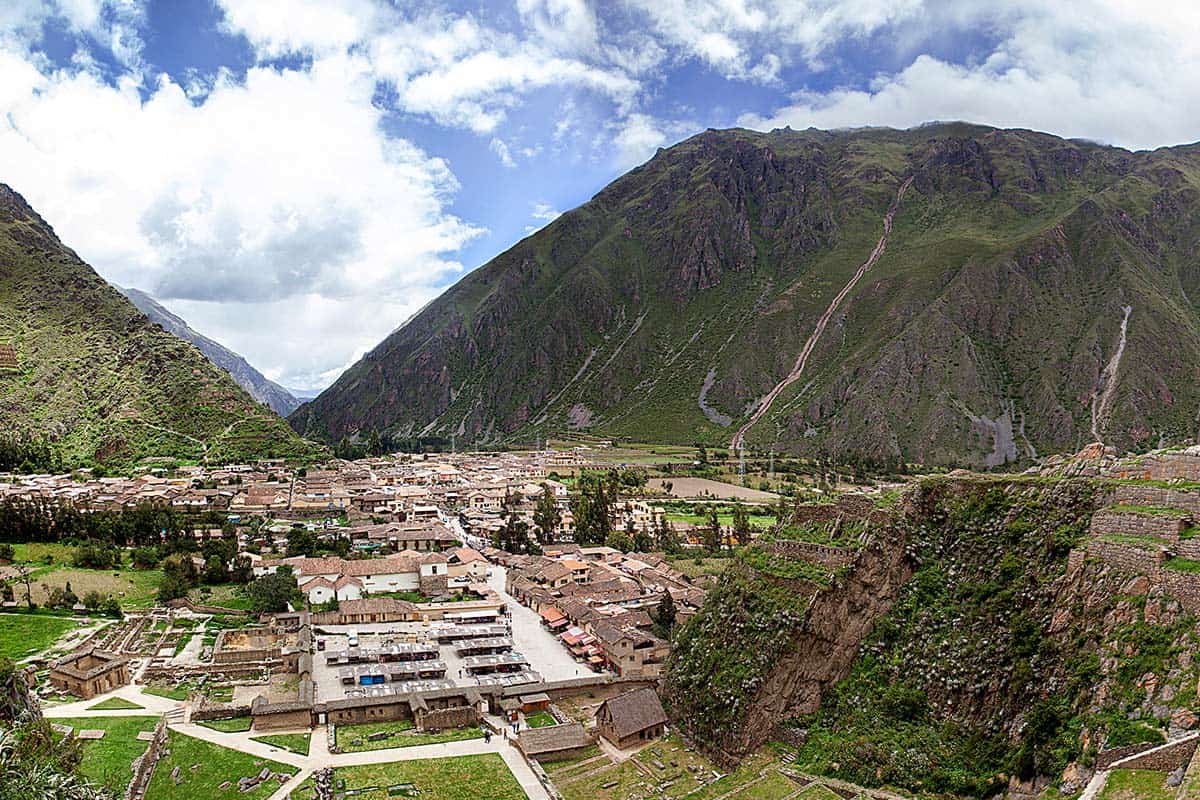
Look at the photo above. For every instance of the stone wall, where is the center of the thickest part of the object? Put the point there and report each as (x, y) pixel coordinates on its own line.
(143, 765)
(1165, 758)
(282, 720)
(444, 718)
(1148, 495)
(1127, 557)
(1172, 466)
(1131, 523)
(813, 553)
(206, 709)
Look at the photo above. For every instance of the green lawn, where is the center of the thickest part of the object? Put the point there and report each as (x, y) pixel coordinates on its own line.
(566, 765)
(171, 692)
(1136, 784)
(235, 725)
(480, 777)
(403, 736)
(214, 765)
(296, 742)
(541, 719)
(114, 704)
(109, 761)
(37, 552)
(229, 595)
(23, 635)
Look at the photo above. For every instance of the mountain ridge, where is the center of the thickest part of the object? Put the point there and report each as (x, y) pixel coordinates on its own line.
(102, 382)
(683, 291)
(261, 388)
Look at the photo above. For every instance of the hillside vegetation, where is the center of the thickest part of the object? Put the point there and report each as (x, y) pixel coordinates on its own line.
(102, 382)
(985, 660)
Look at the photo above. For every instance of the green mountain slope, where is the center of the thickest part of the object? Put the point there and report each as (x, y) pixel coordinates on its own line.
(99, 378)
(669, 305)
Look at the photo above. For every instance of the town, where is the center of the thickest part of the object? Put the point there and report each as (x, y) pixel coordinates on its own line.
(316, 624)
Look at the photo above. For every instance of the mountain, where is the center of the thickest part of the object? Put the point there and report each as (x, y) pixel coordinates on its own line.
(260, 388)
(92, 373)
(947, 294)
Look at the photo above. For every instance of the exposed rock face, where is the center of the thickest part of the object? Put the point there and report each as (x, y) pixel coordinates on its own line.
(983, 334)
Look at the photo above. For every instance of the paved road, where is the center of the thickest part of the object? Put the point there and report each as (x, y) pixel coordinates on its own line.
(546, 654)
(151, 705)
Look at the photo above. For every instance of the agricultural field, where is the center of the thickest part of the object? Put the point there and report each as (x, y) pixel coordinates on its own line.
(24, 635)
(704, 488)
(204, 766)
(478, 777)
(227, 595)
(109, 761)
(354, 738)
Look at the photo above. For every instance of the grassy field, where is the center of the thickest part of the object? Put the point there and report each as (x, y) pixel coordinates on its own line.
(295, 742)
(678, 771)
(235, 725)
(1137, 784)
(707, 566)
(541, 719)
(114, 704)
(214, 765)
(480, 777)
(402, 732)
(225, 595)
(169, 692)
(756, 520)
(39, 552)
(23, 635)
(109, 761)
(135, 589)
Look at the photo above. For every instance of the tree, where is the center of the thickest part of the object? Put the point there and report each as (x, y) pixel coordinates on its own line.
(273, 592)
(665, 538)
(25, 576)
(301, 542)
(712, 532)
(6, 552)
(514, 537)
(241, 570)
(546, 515)
(145, 557)
(663, 616)
(92, 600)
(112, 607)
(179, 576)
(740, 530)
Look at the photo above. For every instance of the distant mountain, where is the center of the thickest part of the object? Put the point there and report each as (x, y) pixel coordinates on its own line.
(1026, 295)
(260, 388)
(98, 378)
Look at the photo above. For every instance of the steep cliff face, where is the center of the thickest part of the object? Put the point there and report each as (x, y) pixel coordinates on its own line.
(671, 303)
(101, 381)
(972, 647)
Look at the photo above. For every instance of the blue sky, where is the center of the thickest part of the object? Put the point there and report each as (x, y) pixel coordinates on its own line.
(296, 178)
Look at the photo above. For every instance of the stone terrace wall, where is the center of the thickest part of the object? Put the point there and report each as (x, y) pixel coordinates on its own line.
(143, 765)
(814, 553)
(1146, 495)
(1167, 758)
(1130, 523)
(1180, 465)
(444, 718)
(1127, 557)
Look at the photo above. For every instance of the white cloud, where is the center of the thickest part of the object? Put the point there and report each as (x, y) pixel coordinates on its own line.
(639, 136)
(249, 199)
(1110, 73)
(500, 148)
(544, 213)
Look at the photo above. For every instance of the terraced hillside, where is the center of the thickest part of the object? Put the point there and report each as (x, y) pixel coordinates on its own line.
(980, 636)
(1034, 294)
(98, 378)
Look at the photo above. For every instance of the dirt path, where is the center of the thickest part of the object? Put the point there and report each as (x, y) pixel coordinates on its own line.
(738, 438)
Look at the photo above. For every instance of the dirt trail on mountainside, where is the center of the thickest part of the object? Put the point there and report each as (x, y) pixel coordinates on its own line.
(738, 438)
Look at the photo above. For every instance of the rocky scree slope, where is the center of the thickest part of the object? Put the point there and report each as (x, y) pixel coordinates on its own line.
(666, 307)
(963, 653)
(99, 379)
(265, 391)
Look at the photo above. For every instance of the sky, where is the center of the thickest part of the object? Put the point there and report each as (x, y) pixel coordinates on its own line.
(296, 178)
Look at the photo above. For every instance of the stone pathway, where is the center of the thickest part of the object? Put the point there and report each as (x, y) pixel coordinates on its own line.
(1095, 785)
